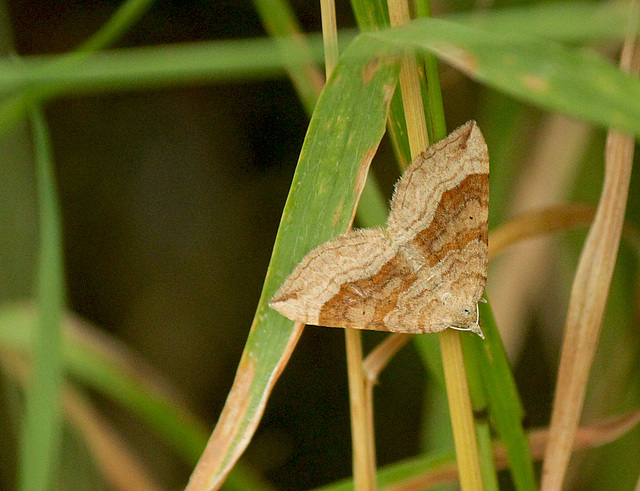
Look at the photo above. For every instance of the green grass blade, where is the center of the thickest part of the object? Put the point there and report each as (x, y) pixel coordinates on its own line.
(541, 72)
(371, 15)
(42, 431)
(344, 133)
(479, 404)
(127, 14)
(572, 22)
(39, 78)
(16, 106)
(280, 22)
(153, 66)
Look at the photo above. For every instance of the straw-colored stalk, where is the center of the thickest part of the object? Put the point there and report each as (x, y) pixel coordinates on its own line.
(452, 359)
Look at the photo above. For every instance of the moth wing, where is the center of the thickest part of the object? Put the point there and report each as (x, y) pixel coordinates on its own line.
(439, 171)
(358, 281)
(439, 218)
(427, 272)
(323, 273)
(443, 296)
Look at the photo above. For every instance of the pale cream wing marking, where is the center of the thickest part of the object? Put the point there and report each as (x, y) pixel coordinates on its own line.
(352, 256)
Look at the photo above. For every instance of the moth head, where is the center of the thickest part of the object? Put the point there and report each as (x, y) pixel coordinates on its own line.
(465, 318)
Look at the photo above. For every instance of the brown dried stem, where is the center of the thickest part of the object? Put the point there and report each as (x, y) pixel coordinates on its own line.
(363, 444)
(539, 222)
(589, 294)
(379, 358)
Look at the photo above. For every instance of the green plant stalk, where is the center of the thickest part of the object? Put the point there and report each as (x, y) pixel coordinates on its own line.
(300, 63)
(42, 432)
(127, 14)
(478, 397)
(460, 407)
(503, 399)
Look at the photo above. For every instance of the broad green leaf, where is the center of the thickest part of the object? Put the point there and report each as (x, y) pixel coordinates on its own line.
(342, 138)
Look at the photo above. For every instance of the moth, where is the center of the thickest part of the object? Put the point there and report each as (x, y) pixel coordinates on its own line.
(426, 271)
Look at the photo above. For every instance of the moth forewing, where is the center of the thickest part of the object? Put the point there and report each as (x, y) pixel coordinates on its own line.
(426, 271)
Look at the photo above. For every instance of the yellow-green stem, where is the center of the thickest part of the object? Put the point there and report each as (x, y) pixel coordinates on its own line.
(454, 370)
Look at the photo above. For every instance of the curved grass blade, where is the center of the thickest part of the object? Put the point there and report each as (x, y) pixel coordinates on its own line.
(342, 138)
(123, 18)
(545, 73)
(42, 430)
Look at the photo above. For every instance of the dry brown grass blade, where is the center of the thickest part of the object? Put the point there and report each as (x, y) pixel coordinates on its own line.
(361, 406)
(379, 357)
(590, 436)
(118, 463)
(548, 220)
(589, 296)
(539, 222)
(519, 282)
